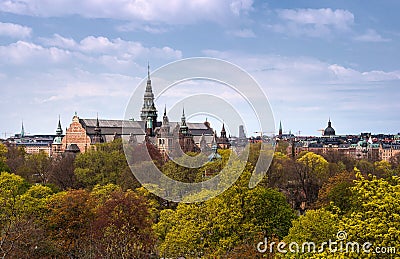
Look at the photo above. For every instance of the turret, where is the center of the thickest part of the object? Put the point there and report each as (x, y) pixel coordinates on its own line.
(149, 111)
(183, 128)
(98, 138)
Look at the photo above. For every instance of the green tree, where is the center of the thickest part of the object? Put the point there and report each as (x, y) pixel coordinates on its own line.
(315, 226)
(377, 218)
(103, 165)
(311, 171)
(15, 158)
(122, 226)
(68, 222)
(214, 228)
(11, 215)
(39, 167)
(22, 208)
(282, 146)
(374, 219)
(277, 175)
(3, 158)
(336, 192)
(62, 172)
(383, 169)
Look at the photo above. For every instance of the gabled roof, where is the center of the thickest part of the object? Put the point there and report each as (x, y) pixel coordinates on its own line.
(195, 128)
(110, 127)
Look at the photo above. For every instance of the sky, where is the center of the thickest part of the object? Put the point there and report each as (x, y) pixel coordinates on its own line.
(314, 60)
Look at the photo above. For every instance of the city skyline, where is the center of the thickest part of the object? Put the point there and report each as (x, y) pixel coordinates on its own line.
(314, 60)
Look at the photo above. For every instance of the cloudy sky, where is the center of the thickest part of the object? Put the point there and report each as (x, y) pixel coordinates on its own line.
(313, 59)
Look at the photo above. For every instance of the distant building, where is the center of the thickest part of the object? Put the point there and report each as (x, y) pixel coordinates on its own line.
(56, 146)
(363, 146)
(167, 136)
(329, 131)
(86, 132)
(32, 144)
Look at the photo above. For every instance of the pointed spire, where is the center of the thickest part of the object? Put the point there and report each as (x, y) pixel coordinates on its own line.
(280, 128)
(223, 132)
(97, 132)
(214, 146)
(148, 70)
(59, 130)
(165, 117)
(183, 128)
(148, 109)
(22, 129)
(183, 118)
(97, 129)
(97, 120)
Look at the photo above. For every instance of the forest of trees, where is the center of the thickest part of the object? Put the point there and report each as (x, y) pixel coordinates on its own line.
(91, 206)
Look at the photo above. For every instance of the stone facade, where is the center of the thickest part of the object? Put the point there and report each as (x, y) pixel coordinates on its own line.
(76, 134)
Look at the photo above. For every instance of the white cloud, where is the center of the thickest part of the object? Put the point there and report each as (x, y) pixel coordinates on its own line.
(132, 26)
(15, 30)
(243, 33)
(118, 47)
(239, 6)
(59, 41)
(304, 92)
(378, 75)
(341, 19)
(84, 84)
(173, 12)
(292, 77)
(22, 52)
(313, 22)
(343, 74)
(371, 36)
(94, 52)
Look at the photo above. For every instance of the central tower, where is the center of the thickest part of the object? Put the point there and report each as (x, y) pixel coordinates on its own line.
(149, 111)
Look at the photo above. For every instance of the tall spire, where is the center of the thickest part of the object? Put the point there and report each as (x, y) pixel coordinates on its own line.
(148, 70)
(58, 138)
(223, 132)
(149, 111)
(59, 130)
(165, 117)
(183, 118)
(97, 138)
(280, 128)
(97, 128)
(184, 128)
(22, 130)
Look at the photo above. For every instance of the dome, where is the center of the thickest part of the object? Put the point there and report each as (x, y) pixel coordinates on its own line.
(57, 140)
(329, 131)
